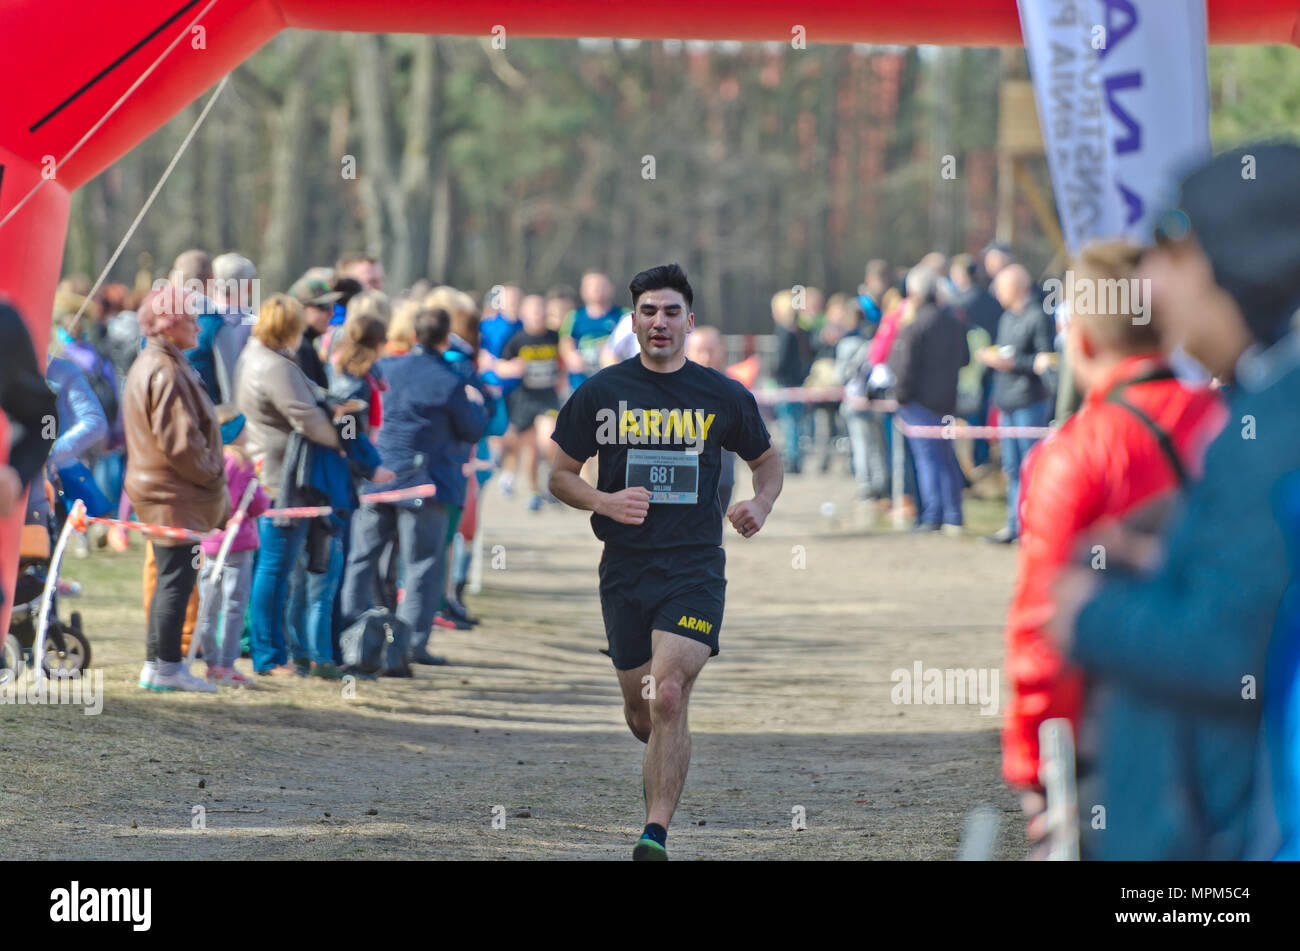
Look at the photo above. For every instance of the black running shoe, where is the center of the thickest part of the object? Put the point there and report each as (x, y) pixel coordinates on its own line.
(648, 850)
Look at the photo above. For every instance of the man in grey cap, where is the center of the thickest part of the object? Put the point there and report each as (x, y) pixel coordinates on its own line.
(1174, 643)
(318, 291)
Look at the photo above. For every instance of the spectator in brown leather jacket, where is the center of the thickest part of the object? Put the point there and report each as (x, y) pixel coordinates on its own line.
(175, 474)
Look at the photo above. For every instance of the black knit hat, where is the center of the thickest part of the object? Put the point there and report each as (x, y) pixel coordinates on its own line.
(1244, 208)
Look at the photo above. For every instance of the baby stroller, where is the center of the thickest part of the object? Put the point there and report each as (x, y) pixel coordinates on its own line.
(66, 648)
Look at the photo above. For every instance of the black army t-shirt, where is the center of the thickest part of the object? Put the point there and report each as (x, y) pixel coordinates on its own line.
(541, 354)
(665, 431)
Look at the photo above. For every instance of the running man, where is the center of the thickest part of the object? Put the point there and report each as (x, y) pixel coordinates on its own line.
(658, 424)
(494, 333)
(532, 356)
(587, 329)
(705, 347)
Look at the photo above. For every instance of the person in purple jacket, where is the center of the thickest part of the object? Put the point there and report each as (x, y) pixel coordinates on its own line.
(227, 596)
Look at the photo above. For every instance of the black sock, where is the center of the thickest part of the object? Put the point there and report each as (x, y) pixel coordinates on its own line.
(657, 832)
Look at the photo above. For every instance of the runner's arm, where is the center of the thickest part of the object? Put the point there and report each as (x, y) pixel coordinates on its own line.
(630, 506)
(510, 365)
(568, 485)
(768, 477)
(570, 359)
(512, 369)
(749, 516)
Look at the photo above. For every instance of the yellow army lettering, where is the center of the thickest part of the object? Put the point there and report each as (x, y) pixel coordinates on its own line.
(547, 351)
(667, 423)
(695, 624)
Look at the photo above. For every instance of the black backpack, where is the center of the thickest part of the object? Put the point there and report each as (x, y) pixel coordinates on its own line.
(377, 644)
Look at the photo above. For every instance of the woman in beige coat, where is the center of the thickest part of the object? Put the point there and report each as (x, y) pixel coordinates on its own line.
(276, 399)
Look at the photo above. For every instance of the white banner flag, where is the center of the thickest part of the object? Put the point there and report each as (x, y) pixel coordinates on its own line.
(1123, 102)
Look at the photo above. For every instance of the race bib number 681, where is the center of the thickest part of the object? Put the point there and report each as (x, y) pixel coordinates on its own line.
(671, 477)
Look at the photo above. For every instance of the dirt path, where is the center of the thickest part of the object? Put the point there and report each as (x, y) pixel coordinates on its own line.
(795, 712)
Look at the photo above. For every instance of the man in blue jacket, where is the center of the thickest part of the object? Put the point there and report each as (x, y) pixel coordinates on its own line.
(1175, 650)
(428, 411)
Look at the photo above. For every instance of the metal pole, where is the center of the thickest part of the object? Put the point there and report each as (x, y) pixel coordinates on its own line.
(476, 547)
(1056, 773)
(51, 585)
(899, 461)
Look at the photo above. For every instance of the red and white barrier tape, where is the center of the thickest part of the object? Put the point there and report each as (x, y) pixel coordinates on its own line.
(302, 511)
(401, 495)
(81, 521)
(862, 404)
(829, 394)
(820, 394)
(164, 531)
(374, 498)
(800, 394)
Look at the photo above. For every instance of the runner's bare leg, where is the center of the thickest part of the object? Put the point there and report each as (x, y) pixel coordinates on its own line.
(675, 663)
(528, 455)
(636, 707)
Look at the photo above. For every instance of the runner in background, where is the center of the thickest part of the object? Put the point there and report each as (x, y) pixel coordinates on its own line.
(560, 303)
(501, 304)
(587, 330)
(704, 346)
(622, 344)
(533, 358)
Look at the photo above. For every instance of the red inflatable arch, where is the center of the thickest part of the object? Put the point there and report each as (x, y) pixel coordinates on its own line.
(66, 62)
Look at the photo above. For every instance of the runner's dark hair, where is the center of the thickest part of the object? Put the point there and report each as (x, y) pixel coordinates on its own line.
(669, 276)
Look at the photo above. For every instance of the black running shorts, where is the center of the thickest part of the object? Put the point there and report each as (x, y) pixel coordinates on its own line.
(526, 405)
(679, 590)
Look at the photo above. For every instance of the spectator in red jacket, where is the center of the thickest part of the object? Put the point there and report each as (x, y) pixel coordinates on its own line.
(1138, 435)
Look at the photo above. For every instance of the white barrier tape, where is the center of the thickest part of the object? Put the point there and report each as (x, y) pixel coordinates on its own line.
(186, 535)
(972, 432)
(232, 526)
(77, 515)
